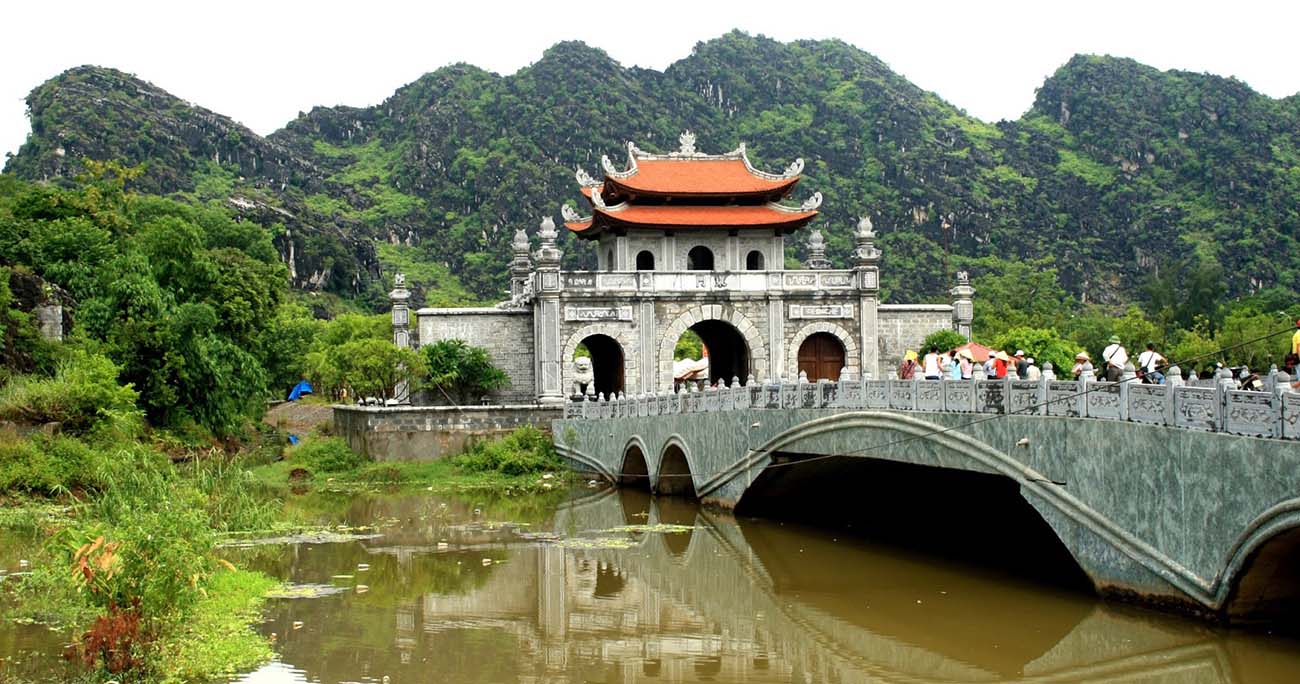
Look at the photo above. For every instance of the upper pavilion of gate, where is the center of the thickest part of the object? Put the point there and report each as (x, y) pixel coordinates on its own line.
(688, 190)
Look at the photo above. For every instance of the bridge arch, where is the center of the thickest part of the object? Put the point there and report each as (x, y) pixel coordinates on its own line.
(757, 354)
(1261, 580)
(618, 346)
(635, 470)
(675, 474)
(907, 439)
(852, 359)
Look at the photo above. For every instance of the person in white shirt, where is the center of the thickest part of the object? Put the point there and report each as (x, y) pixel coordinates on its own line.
(1032, 372)
(1115, 357)
(931, 365)
(1149, 363)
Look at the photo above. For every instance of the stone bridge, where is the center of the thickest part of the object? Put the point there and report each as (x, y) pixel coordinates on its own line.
(1186, 496)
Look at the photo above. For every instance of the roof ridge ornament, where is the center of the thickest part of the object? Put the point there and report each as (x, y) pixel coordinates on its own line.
(608, 166)
(795, 168)
(571, 215)
(584, 179)
(596, 200)
(687, 139)
(811, 203)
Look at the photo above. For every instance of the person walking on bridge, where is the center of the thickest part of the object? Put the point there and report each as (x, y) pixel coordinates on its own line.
(1149, 364)
(932, 365)
(908, 369)
(1116, 357)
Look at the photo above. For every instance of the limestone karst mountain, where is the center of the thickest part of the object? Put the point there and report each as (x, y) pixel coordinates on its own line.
(1118, 171)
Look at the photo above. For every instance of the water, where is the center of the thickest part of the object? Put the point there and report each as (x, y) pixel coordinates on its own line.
(613, 586)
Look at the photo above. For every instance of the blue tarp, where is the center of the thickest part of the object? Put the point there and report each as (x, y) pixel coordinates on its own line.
(293, 439)
(303, 387)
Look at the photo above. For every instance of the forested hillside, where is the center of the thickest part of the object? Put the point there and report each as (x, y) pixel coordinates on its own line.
(1134, 184)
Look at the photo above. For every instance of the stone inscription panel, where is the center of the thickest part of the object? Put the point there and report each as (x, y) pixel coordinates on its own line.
(800, 312)
(597, 313)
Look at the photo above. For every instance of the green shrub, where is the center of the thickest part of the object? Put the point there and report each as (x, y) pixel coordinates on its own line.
(328, 455)
(460, 371)
(526, 450)
(49, 465)
(83, 395)
(943, 340)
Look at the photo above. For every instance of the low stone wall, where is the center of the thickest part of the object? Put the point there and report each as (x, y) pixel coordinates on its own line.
(426, 433)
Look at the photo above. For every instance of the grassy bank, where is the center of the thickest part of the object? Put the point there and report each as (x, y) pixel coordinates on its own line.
(523, 462)
(123, 531)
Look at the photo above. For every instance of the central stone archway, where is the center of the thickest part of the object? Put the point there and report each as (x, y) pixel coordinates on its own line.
(720, 324)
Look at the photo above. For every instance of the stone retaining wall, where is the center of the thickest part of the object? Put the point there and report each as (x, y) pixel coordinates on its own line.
(426, 433)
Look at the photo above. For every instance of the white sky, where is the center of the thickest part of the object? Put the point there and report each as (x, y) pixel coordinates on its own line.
(263, 62)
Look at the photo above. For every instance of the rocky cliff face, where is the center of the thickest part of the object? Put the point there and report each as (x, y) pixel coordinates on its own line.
(1116, 171)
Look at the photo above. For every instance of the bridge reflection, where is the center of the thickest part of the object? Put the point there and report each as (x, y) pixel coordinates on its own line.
(728, 601)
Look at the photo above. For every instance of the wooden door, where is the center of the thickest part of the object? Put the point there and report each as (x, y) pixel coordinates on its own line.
(821, 356)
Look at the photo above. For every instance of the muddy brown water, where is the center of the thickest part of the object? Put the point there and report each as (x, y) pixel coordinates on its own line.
(614, 586)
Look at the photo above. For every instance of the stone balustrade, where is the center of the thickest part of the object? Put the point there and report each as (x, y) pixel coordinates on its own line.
(1218, 407)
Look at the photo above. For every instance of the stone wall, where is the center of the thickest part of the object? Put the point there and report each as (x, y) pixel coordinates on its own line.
(426, 433)
(904, 326)
(506, 334)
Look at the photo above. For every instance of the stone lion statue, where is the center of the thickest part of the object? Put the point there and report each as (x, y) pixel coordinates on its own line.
(582, 374)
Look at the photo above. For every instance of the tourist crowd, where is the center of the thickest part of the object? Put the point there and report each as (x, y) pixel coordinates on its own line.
(1150, 365)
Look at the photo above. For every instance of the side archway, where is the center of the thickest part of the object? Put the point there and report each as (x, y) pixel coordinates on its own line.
(675, 476)
(851, 350)
(635, 470)
(757, 346)
(618, 336)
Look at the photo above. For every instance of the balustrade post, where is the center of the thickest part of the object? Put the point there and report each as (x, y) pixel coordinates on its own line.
(1223, 384)
(1173, 380)
(1126, 378)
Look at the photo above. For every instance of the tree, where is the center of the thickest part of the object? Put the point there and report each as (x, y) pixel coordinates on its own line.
(1017, 294)
(462, 372)
(943, 340)
(1042, 344)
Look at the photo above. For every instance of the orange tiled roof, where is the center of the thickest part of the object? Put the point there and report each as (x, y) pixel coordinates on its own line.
(684, 216)
(714, 177)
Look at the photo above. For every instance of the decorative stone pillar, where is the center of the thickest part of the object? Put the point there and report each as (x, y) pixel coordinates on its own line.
(817, 260)
(963, 309)
(400, 298)
(866, 276)
(546, 316)
(521, 266)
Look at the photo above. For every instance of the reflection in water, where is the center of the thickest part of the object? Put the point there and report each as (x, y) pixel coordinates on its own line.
(446, 596)
(754, 601)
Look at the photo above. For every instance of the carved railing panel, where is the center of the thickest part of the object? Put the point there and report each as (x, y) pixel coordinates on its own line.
(929, 395)
(990, 396)
(1249, 413)
(876, 394)
(1291, 415)
(1196, 408)
(959, 396)
(902, 395)
(1025, 397)
(1103, 400)
(1148, 403)
(1065, 398)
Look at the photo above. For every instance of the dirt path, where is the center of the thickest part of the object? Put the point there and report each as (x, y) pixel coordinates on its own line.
(299, 417)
